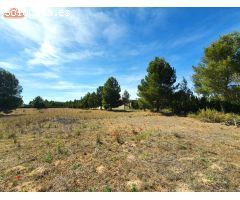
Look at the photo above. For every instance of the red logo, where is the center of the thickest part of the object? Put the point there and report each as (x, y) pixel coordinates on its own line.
(13, 13)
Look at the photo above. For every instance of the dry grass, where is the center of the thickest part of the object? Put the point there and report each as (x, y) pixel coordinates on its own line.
(77, 150)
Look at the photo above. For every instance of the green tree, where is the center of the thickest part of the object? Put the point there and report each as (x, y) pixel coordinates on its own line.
(183, 99)
(218, 74)
(84, 101)
(38, 103)
(10, 91)
(125, 98)
(99, 96)
(143, 104)
(92, 100)
(111, 93)
(157, 87)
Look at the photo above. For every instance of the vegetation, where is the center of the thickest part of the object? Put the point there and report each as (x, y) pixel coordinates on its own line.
(157, 87)
(183, 100)
(218, 75)
(38, 103)
(10, 92)
(210, 115)
(125, 98)
(111, 94)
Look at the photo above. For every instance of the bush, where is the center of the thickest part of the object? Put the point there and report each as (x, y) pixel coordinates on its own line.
(211, 115)
(48, 157)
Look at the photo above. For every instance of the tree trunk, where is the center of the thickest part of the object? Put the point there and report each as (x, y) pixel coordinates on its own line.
(222, 107)
(158, 106)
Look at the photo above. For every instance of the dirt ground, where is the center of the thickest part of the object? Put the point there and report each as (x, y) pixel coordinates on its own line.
(93, 150)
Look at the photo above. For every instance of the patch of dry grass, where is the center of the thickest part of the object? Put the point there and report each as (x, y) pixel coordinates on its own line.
(78, 150)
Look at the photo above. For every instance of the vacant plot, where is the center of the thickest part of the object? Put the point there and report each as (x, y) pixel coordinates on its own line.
(81, 150)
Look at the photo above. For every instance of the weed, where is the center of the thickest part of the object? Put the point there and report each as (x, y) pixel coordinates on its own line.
(99, 140)
(183, 147)
(146, 155)
(143, 135)
(211, 115)
(13, 136)
(48, 142)
(119, 139)
(1, 178)
(75, 166)
(78, 132)
(92, 190)
(61, 149)
(107, 189)
(134, 188)
(178, 135)
(48, 157)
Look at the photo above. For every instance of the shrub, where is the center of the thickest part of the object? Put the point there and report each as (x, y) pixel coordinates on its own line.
(48, 157)
(99, 140)
(119, 139)
(61, 149)
(75, 166)
(107, 189)
(211, 115)
(134, 188)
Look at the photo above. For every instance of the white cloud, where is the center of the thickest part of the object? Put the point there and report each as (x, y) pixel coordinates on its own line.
(132, 78)
(79, 33)
(187, 39)
(8, 65)
(65, 85)
(46, 75)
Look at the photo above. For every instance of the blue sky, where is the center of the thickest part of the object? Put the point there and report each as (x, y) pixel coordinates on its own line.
(63, 57)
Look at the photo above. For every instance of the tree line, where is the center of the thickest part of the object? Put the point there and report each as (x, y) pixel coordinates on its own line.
(106, 96)
(216, 82)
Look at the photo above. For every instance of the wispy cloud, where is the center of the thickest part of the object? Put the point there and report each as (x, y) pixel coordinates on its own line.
(8, 65)
(46, 75)
(184, 40)
(51, 35)
(65, 85)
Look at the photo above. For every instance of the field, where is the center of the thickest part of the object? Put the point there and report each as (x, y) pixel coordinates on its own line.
(93, 150)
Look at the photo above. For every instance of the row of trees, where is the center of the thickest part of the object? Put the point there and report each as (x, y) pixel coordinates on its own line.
(107, 97)
(216, 80)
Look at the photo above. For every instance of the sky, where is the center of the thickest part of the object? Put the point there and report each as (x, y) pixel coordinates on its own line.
(63, 56)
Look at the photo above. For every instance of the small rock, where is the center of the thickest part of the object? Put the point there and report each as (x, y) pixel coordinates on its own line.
(135, 183)
(18, 169)
(100, 169)
(58, 162)
(216, 167)
(39, 172)
(131, 158)
(182, 187)
(133, 145)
